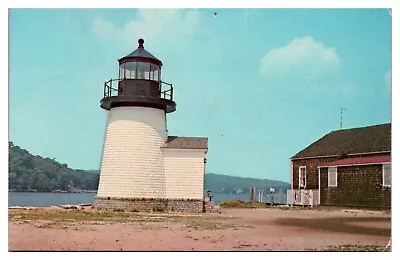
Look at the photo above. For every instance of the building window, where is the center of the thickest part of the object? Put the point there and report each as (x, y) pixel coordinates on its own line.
(332, 176)
(387, 175)
(302, 176)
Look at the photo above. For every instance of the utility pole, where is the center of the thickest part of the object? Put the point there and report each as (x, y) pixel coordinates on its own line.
(341, 117)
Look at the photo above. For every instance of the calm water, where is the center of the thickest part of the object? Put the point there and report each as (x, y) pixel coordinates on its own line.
(42, 199)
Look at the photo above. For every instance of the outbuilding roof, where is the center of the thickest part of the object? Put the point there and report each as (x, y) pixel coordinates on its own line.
(370, 139)
(179, 142)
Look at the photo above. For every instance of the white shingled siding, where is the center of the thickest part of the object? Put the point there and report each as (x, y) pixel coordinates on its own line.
(132, 164)
(184, 173)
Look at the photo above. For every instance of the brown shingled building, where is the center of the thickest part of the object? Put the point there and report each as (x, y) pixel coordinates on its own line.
(350, 167)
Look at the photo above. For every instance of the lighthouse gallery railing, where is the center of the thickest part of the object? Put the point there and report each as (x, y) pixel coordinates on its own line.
(166, 89)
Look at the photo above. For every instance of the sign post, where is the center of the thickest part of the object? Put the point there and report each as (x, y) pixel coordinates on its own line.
(272, 191)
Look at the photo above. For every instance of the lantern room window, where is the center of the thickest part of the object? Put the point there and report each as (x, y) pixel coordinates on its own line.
(139, 70)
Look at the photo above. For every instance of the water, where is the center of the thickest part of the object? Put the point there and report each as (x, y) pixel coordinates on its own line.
(43, 199)
(46, 199)
(219, 197)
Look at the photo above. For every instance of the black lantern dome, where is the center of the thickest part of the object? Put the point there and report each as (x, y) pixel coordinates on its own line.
(140, 54)
(139, 83)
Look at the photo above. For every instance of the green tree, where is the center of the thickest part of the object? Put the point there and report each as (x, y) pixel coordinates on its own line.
(27, 172)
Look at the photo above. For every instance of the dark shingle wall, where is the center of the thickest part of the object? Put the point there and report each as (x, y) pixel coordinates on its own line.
(358, 186)
(311, 171)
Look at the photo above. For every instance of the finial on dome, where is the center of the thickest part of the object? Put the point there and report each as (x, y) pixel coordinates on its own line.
(141, 42)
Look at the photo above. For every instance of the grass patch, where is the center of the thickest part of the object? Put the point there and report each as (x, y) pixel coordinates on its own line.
(159, 209)
(207, 224)
(242, 204)
(62, 218)
(66, 215)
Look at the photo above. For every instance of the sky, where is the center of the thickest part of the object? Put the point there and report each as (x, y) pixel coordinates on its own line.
(261, 84)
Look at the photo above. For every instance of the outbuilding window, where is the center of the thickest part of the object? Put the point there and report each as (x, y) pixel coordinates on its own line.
(302, 176)
(332, 176)
(387, 174)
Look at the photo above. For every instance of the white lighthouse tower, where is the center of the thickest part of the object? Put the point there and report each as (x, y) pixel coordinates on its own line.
(133, 174)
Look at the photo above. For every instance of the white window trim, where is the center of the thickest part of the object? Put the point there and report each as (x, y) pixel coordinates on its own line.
(319, 185)
(305, 177)
(383, 175)
(330, 184)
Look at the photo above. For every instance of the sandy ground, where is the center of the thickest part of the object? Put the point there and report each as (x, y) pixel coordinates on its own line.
(269, 229)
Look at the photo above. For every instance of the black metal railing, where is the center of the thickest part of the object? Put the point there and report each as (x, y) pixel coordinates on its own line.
(166, 89)
(109, 91)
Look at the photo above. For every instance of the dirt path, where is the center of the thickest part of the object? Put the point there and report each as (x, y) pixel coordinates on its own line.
(234, 229)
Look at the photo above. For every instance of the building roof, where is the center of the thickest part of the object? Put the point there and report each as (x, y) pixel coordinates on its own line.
(370, 139)
(380, 159)
(179, 142)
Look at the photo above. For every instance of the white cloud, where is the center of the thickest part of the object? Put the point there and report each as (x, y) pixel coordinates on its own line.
(388, 79)
(349, 88)
(153, 25)
(303, 56)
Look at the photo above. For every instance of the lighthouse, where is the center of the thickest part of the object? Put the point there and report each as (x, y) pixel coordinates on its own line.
(142, 167)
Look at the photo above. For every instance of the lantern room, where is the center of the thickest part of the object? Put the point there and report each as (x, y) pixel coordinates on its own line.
(140, 65)
(139, 83)
(139, 73)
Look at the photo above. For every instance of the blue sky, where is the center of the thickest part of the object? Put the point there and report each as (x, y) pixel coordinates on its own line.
(261, 84)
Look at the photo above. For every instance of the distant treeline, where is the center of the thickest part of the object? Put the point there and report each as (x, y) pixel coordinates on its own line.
(231, 184)
(35, 173)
